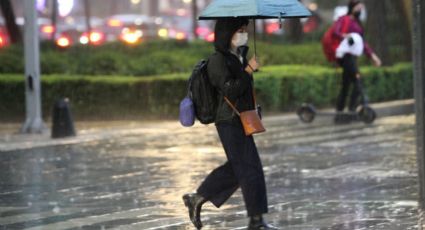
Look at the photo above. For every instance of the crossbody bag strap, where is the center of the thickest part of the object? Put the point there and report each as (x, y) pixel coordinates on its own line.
(232, 106)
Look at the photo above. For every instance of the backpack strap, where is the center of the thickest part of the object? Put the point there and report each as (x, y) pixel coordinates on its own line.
(345, 24)
(200, 66)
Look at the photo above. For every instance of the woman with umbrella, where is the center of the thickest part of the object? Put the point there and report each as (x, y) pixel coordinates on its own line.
(231, 74)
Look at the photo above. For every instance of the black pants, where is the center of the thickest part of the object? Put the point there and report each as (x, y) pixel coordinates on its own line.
(349, 76)
(243, 169)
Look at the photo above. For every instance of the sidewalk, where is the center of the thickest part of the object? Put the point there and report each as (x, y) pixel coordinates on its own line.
(319, 176)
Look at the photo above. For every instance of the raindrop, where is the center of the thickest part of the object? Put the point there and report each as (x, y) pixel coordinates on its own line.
(53, 203)
(56, 209)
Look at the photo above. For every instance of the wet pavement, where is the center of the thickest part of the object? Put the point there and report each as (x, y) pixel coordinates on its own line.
(319, 176)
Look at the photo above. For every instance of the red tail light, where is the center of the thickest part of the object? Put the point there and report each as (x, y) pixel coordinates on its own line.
(4, 41)
(210, 37)
(48, 29)
(63, 41)
(95, 38)
(114, 23)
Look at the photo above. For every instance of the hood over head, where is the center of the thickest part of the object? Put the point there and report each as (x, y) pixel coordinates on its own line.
(351, 5)
(224, 31)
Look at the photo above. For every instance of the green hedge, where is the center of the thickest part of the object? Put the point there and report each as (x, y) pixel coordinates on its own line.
(150, 58)
(279, 88)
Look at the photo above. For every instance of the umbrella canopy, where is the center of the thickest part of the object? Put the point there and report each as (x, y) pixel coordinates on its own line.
(254, 9)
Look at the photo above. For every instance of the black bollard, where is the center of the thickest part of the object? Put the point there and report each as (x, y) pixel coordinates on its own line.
(63, 124)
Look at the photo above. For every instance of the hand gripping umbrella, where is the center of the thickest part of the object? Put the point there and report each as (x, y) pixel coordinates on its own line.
(254, 9)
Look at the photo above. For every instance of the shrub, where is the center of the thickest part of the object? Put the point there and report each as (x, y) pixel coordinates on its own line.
(150, 58)
(279, 88)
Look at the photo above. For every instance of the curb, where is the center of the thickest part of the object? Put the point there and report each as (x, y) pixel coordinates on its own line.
(382, 109)
(394, 108)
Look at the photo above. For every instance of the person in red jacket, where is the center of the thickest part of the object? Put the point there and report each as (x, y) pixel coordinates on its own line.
(345, 25)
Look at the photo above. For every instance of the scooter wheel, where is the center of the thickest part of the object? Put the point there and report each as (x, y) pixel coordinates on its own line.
(306, 113)
(367, 114)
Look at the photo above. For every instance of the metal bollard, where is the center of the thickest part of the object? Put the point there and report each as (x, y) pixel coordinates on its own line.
(63, 124)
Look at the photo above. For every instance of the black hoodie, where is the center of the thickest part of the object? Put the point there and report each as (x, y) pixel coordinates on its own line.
(228, 74)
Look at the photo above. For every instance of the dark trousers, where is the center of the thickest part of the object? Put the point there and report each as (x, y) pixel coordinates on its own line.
(243, 169)
(349, 76)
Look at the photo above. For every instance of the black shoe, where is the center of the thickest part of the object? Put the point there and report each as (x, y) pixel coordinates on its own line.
(194, 203)
(257, 223)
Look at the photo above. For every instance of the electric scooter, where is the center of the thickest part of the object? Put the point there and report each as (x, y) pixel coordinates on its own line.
(365, 113)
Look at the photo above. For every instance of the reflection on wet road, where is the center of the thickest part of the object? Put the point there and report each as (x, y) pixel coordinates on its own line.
(319, 176)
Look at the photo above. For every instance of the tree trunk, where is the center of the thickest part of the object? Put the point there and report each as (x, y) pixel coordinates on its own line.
(194, 18)
(10, 19)
(377, 29)
(87, 15)
(264, 29)
(114, 7)
(154, 8)
(293, 30)
(54, 18)
(403, 9)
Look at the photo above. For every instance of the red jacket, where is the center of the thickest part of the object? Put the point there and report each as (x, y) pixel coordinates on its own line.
(334, 36)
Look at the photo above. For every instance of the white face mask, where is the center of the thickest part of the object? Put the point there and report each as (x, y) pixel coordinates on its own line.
(240, 39)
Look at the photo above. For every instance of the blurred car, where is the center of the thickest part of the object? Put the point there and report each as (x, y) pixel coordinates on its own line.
(74, 37)
(4, 37)
(180, 28)
(73, 31)
(131, 28)
(272, 27)
(46, 30)
(68, 31)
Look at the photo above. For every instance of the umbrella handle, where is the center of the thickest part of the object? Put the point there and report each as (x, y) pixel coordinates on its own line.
(255, 39)
(255, 44)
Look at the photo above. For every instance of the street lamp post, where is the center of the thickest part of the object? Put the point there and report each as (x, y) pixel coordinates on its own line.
(33, 122)
(419, 73)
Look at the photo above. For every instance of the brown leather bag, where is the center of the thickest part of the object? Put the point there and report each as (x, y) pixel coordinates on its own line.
(251, 122)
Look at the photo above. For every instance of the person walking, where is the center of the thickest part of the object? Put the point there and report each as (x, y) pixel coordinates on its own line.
(231, 74)
(345, 25)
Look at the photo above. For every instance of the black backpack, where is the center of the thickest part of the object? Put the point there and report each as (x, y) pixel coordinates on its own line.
(203, 94)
